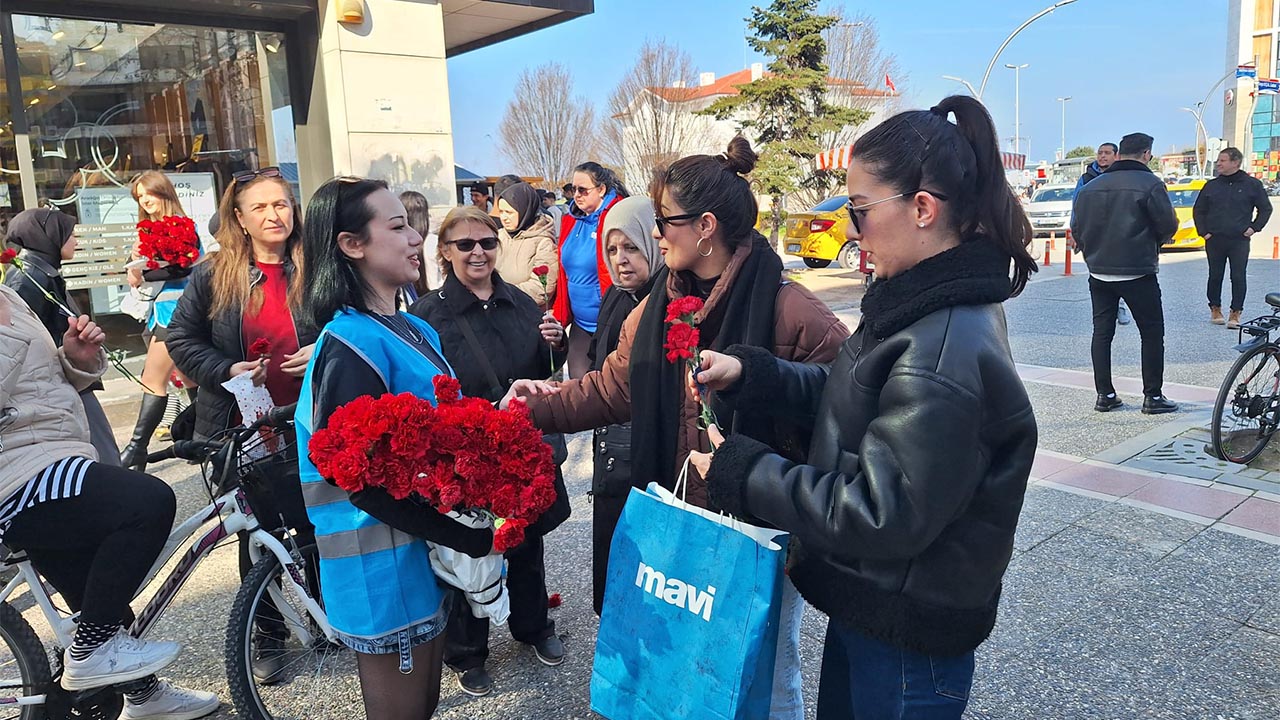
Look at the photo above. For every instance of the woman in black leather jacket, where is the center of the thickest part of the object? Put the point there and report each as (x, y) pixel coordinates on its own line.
(47, 238)
(903, 519)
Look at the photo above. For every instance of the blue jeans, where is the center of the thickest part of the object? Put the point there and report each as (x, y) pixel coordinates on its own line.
(865, 679)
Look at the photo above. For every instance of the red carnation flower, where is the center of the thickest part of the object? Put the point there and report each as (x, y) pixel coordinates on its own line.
(554, 600)
(260, 347)
(683, 308)
(8, 256)
(541, 271)
(682, 342)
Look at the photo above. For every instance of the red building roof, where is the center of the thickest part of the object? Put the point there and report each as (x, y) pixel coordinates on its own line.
(728, 85)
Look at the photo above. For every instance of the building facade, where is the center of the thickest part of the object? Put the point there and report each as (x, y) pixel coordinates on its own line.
(1251, 115)
(96, 91)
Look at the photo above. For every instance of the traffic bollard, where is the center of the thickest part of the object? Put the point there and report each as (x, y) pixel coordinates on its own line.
(1066, 263)
(1275, 248)
(1047, 259)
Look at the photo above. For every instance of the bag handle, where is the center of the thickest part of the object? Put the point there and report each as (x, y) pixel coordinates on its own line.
(681, 490)
(469, 334)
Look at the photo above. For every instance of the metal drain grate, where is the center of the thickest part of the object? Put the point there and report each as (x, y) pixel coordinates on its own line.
(1185, 455)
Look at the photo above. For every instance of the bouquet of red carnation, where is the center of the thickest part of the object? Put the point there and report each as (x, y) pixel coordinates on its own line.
(171, 240)
(682, 343)
(480, 465)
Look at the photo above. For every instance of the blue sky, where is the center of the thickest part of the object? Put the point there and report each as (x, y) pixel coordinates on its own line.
(1128, 64)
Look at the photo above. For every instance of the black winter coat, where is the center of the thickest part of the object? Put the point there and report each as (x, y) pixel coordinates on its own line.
(44, 276)
(205, 347)
(506, 328)
(1121, 218)
(903, 521)
(611, 444)
(1226, 206)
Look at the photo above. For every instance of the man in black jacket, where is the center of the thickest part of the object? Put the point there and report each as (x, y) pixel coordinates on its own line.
(1121, 219)
(1229, 210)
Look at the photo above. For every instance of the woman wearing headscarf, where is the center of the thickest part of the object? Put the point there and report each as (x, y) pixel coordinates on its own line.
(527, 240)
(634, 263)
(47, 238)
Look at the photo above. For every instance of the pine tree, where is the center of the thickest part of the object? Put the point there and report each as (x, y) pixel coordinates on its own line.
(788, 109)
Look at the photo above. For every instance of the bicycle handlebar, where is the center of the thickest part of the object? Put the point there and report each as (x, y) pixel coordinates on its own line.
(199, 450)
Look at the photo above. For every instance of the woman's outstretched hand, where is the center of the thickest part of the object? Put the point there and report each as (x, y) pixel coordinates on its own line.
(525, 389)
(702, 461)
(717, 372)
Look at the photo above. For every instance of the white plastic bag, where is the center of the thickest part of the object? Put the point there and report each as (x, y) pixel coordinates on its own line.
(482, 580)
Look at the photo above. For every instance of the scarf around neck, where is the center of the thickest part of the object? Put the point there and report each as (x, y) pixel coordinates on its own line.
(746, 316)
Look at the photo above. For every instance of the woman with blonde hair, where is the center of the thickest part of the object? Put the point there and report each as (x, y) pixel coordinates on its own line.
(251, 289)
(156, 198)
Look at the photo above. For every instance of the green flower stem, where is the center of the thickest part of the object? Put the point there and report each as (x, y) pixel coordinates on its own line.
(706, 416)
(115, 357)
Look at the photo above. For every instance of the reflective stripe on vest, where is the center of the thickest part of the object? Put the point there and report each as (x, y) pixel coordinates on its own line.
(352, 543)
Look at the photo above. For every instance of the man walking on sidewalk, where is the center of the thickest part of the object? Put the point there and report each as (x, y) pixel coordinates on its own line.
(1101, 161)
(1225, 217)
(1120, 221)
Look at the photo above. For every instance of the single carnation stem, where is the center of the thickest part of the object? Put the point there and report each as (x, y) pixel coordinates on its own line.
(706, 416)
(115, 357)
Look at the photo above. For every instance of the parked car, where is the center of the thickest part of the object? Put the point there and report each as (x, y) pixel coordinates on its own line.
(1183, 196)
(818, 235)
(1050, 210)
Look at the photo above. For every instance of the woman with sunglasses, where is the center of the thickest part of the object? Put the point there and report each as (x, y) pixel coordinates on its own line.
(583, 276)
(705, 217)
(903, 520)
(251, 288)
(493, 335)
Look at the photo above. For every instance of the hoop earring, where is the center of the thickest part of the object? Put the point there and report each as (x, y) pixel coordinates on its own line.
(710, 248)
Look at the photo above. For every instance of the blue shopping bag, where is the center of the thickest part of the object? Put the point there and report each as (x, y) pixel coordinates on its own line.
(689, 627)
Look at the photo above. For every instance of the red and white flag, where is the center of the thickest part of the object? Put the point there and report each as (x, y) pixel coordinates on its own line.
(889, 83)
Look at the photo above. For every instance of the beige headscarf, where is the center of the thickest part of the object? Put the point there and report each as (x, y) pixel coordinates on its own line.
(634, 217)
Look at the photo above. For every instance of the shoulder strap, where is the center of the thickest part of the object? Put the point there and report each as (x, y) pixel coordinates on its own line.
(469, 334)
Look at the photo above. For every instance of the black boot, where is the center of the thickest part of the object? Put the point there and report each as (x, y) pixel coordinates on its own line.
(134, 456)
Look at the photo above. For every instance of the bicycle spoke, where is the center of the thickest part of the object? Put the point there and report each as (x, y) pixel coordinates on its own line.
(1248, 417)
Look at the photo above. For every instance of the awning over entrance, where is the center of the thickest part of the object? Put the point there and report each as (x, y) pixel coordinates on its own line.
(473, 24)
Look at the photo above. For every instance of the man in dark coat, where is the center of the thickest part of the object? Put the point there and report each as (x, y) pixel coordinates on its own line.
(1228, 211)
(1121, 219)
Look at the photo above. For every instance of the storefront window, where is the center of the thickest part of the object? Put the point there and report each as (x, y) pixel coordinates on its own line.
(10, 180)
(107, 100)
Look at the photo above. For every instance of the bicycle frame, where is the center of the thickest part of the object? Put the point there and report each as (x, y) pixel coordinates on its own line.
(239, 518)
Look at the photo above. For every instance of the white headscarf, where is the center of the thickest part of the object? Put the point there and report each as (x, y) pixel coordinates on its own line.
(634, 217)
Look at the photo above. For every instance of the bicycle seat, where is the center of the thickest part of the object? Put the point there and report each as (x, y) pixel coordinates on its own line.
(1273, 299)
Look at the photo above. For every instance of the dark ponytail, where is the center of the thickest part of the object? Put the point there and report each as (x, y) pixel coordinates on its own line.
(602, 175)
(716, 184)
(922, 149)
(332, 281)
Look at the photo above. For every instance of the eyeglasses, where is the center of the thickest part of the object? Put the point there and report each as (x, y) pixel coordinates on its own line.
(855, 209)
(664, 221)
(466, 246)
(245, 176)
(578, 190)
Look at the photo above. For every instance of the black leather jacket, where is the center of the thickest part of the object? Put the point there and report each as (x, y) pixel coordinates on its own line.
(205, 347)
(1121, 218)
(903, 521)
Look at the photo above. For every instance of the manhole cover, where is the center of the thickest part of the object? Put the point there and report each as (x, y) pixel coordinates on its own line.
(1185, 455)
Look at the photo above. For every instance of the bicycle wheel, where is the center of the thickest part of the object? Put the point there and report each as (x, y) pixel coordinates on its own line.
(1248, 405)
(24, 665)
(318, 679)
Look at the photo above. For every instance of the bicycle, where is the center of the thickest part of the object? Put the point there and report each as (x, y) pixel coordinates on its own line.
(280, 593)
(1246, 413)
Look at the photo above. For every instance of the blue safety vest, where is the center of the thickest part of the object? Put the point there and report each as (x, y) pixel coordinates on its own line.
(375, 580)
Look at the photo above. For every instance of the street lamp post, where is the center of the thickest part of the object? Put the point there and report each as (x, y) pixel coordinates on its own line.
(983, 87)
(1064, 101)
(968, 85)
(1017, 100)
(1197, 113)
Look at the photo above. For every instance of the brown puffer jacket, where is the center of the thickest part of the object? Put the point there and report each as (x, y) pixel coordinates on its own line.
(805, 330)
(519, 255)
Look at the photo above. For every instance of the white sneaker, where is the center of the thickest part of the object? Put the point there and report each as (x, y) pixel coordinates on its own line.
(120, 659)
(172, 703)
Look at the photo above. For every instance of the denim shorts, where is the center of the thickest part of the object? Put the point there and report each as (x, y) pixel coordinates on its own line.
(401, 641)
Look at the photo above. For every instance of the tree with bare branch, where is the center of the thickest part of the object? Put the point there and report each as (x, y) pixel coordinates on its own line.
(547, 129)
(651, 121)
(858, 66)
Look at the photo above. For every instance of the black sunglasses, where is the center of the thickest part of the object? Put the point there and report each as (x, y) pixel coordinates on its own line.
(246, 175)
(466, 246)
(853, 210)
(578, 190)
(664, 221)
